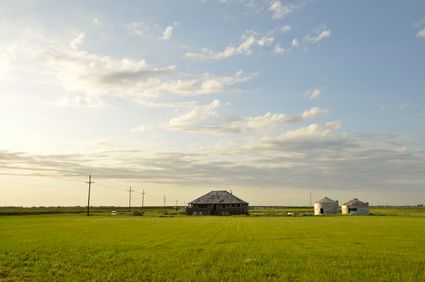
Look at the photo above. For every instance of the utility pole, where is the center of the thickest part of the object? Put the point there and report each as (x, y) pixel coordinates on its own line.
(129, 202)
(88, 200)
(143, 199)
(164, 202)
(177, 201)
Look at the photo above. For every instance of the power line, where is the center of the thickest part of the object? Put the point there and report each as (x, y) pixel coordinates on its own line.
(155, 197)
(56, 186)
(110, 187)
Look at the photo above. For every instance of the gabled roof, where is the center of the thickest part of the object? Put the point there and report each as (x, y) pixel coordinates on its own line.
(326, 200)
(218, 197)
(355, 202)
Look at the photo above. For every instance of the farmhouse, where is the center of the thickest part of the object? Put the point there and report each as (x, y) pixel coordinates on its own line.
(355, 206)
(326, 206)
(217, 203)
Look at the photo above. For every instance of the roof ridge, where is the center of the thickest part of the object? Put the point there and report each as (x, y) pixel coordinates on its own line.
(218, 197)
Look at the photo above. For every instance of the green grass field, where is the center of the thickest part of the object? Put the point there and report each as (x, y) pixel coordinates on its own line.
(124, 248)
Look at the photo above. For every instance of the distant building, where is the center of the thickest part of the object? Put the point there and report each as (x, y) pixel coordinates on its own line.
(217, 203)
(326, 206)
(355, 206)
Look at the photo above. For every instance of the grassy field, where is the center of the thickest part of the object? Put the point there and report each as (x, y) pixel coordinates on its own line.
(124, 248)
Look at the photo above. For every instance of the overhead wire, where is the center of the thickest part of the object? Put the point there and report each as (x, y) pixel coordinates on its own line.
(102, 184)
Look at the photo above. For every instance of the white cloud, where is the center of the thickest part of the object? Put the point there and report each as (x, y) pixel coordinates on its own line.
(315, 36)
(87, 74)
(206, 84)
(265, 41)
(318, 157)
(263, 121)
(94, 74)
(296, 43)
(280, 10)
(405, 106)
(257, 123)
(421, 34)
(278, 49)
(246, 46)
(137, 28)
(313, 131)
(401, 107)
(167, 33)
(141, 128)
(77, 41)
(96, 21)
(313, 94)
(249, 40)
(152, 103)
(286, 28)
(194, 116)
(78, 100)
(4, 65)
(318, 34)
(314, 112)
(270, 119)
(89, 78)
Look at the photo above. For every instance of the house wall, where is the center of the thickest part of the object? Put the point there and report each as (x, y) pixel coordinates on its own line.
(219, 210)
(346, 209)
(328, 208)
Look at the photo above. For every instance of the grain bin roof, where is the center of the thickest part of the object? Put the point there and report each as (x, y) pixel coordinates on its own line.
(218, 197)
(326, 200)
(355, 203)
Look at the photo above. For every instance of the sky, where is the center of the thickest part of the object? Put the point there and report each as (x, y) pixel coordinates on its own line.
(273, 100)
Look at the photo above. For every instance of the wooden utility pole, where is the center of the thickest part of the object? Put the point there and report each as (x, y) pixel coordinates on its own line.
(88, 200)
(129, 202)
(143, 199)
(164, 202)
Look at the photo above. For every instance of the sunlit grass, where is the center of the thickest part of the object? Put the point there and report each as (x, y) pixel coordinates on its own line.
(123, 248)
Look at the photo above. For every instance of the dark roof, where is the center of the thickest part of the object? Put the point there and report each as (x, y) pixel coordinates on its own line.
(218, 197)
(355, 202)
(326, 200)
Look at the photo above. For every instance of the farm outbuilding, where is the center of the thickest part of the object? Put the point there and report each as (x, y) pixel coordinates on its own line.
(217, 203)
(326, 206)
(355, 206)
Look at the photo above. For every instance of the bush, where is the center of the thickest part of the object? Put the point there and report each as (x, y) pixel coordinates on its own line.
(137, 213)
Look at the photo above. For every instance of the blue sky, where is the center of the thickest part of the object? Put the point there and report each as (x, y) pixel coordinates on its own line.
(272, 99)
